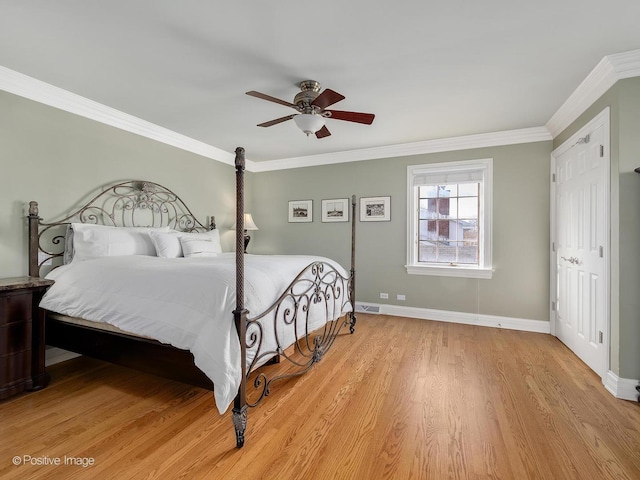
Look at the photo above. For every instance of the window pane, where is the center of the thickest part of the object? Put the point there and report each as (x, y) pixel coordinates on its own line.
(446, 252)
(426, 252)
(428, 191)
(443, 207)
(468, 190)
(468, 207)
(468, 253)
(446, 230)
(469, 230)
(448, 190)
(427, 230)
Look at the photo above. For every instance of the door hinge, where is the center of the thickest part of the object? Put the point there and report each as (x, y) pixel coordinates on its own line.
(553, 178)
(553, 306)
(601, 150)
(601, 250)
(600, 337)
(553, 246)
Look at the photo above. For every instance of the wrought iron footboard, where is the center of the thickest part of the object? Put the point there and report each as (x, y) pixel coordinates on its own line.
(298, 335)
(311, 311)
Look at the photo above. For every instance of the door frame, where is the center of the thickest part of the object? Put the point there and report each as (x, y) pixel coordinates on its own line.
(602, 119)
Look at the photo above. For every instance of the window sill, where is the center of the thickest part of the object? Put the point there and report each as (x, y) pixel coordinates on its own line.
(450, 271)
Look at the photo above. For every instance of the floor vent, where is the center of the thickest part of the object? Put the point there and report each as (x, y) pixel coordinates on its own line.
(364, 308)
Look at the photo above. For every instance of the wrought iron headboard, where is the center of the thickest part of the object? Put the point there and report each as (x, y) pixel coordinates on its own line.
(135, 203)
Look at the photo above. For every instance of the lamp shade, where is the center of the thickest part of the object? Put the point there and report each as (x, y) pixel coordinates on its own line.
(309, 123)
(249, 224)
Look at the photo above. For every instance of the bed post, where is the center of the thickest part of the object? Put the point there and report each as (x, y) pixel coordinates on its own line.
(34, 219)
(352, 285)
(240, 406)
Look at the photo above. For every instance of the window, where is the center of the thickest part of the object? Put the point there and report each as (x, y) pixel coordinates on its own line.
(449, 207)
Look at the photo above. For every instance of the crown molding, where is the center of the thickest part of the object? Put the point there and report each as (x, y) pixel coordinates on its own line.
(509, 137)
(33, 89)
(605, 74)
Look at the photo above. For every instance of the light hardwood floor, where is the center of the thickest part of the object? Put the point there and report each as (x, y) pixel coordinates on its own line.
(399, 399)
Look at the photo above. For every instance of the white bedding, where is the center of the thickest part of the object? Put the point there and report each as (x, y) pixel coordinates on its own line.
(185, 302)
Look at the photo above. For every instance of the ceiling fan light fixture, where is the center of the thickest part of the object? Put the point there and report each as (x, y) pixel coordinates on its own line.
(309, 123)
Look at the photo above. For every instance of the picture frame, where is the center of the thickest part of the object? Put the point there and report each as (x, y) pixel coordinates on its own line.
(335, 210)
(300, 211)
(375, 209)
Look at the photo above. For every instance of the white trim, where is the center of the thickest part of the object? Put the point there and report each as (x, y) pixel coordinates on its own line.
(484, 269)
(495, 139)
(604, 75)
(55, 355)
(459, 271)
(623, 388)
(482, 320)
(28, 87)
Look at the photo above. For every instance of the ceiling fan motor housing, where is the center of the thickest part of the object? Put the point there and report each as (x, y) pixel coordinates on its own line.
(310, 91)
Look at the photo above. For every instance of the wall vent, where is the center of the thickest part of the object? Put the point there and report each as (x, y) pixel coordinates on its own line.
(366, 308)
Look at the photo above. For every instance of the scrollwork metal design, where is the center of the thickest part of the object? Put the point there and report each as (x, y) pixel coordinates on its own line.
(306, 319)
(135, 203)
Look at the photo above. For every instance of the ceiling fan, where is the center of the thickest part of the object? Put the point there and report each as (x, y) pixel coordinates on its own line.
(311, 105)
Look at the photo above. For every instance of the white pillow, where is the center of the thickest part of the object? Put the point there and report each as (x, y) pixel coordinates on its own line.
(167, 244)
(200, 244)
(91, 241)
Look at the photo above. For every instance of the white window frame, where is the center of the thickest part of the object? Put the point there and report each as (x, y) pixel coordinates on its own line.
(484, 269)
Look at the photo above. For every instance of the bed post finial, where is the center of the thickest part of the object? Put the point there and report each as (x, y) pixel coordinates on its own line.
(240, 161)
(34, 239)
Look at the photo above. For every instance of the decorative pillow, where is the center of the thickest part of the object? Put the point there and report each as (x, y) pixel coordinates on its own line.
(200, 244)
(91, 241)
(167, 244)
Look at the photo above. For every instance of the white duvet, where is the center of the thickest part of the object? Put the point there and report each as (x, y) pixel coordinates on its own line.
(185, 302)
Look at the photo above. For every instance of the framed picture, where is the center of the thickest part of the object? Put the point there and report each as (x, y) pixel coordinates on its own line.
(375, 209)
(335, 210)
(301, 211)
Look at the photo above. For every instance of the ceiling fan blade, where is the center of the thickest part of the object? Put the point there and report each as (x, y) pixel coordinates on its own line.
(326, 98)
(357, 117)
(276, 121)
(323, 132)
(269, 98)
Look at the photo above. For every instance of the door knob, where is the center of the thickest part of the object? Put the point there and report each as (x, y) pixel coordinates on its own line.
(574, 260)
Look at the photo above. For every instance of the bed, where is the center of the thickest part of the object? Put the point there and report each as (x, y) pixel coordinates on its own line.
(141, 282)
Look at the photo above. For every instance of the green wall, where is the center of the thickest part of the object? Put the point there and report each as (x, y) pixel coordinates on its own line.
(623, 99)
(57, 159)
(520, 284)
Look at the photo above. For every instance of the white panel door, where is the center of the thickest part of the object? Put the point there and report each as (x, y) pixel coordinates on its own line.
(581, 241)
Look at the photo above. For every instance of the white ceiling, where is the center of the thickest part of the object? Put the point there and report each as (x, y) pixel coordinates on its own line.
(427, 70)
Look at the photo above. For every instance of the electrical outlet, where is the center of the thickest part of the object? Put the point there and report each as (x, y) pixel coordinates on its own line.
(401, 297)
(384, 295)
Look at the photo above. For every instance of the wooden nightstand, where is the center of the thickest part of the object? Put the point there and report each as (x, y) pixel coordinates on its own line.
(22, 335)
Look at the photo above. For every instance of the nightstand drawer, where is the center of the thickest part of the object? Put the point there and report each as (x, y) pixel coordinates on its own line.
(15, 337)
(15, 307)
(15, 370)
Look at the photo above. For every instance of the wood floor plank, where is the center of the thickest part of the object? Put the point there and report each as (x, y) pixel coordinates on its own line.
(400, 399)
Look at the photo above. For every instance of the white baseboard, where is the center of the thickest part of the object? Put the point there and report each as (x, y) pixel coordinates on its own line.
(526, 325)
(623, 388)
(53, 355)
